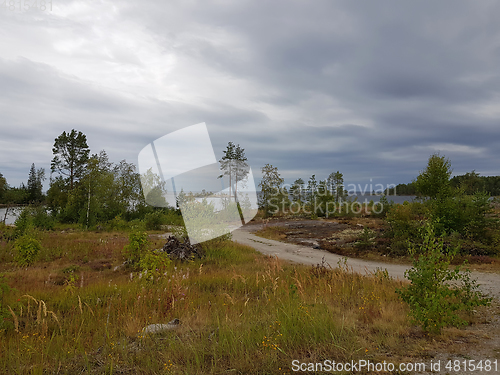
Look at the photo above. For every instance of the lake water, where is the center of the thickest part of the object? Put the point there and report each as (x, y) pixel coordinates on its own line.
(11, 216)
(400, 199)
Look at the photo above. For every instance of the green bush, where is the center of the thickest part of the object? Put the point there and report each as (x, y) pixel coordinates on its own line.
(42, 219)
(27, 249)
(137, 246)
(153, 220)
(7, 232)
(118, 223)
(154, 264)
(366, 239)
(382, 207)
(404, 222)
(464, 219)
(23, 222)
(466, 214)
(33, 217)
(172, 217)
(137, 225)
(433, 302)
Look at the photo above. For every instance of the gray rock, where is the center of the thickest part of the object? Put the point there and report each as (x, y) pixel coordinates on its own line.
(119, 267)
(153, 329)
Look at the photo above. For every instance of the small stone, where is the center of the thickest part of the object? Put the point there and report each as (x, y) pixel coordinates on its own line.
(119, 267)
(160, 328)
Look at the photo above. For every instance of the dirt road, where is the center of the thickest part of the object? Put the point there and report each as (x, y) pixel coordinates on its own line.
(489, 282)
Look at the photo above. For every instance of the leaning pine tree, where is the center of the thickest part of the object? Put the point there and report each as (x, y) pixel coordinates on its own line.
(234, 165)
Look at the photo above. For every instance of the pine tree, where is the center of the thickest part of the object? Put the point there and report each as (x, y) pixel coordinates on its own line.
(297, 189)
(3, 187)
(312, 186)
(234, 165)
(338, 183)
(240, 167)
(71, 154)
(271, 192)
(227, 162)
(35, 184)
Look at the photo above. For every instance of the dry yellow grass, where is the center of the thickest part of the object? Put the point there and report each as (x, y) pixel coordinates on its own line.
(238, 310)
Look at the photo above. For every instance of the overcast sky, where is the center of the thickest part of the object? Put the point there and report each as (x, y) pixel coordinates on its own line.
(370, 88)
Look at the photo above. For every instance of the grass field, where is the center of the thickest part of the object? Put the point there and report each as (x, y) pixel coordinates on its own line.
(240, 312)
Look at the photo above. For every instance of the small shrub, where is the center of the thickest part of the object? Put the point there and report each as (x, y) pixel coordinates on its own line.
(118, 223)
(42, 219)
(381, 208)
(154, 264)
(433, 303)
(70, 282)
(23, 222)
(138, 242)
(27, 249)
(153, 220)
(172, 217)
(404, 221)
(33, 217)
(366, 239)
(7, 232)
(466, 214)
(71, 269)
(137, 225)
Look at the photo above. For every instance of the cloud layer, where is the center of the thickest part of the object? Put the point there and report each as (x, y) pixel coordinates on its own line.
(367, 88)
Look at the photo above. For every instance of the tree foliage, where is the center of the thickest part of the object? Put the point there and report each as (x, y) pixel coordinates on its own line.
(35, 184)
(104, 191)
(271, 193)
(434, 180)
(71, 153)
(234, 165)
(3, 187)
(401, 189)
(27, 248)
(297, 190)
(433, 302)
(463, 213)
(335, 183)
(312, 189)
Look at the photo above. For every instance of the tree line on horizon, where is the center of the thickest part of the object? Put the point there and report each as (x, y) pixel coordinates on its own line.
(314, 197)
(84, 188)
(470, 183)
(29, 193)
(89, 189)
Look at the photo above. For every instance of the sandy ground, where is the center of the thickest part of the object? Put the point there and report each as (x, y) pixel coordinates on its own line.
(479, 342)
